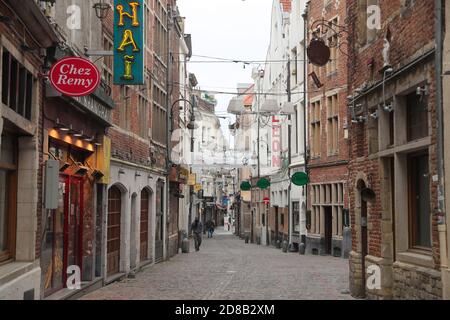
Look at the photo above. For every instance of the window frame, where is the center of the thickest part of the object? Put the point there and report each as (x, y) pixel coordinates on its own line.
(412, 208)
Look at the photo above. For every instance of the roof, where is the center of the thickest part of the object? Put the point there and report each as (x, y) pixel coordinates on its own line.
(287, 5)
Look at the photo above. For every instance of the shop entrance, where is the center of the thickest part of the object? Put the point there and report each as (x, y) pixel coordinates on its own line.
(159, 223)
(113, 240)
(64, 234)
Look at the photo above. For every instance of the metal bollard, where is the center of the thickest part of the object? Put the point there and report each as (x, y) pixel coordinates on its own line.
(285, 246)
(302, 248)
(185, 245)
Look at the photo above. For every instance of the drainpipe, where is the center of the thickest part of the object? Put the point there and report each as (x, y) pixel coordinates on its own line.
(305, 106)
(442, 229)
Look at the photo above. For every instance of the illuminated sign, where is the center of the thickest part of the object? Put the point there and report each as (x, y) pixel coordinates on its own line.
(129, 42)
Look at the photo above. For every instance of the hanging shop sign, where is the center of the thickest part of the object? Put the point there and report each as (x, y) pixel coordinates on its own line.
(263, 183)
(300, 179)
(266, 201)
(74, 76)
(192, 179)
(129, 42)
(246, 186)
(318, 52)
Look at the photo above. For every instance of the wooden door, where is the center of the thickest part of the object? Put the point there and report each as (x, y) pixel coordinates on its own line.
(113, 234)
(159, 222)
(145, 196)
(364, 243)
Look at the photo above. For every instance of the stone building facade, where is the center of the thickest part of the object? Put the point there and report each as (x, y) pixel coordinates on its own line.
(23, 50)
(393, 168)
(328, 125)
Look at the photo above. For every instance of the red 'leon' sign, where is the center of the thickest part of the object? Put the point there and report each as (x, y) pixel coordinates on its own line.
(74, 76)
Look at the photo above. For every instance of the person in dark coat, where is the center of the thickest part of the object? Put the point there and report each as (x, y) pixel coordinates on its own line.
(197, 229)
(210, 225)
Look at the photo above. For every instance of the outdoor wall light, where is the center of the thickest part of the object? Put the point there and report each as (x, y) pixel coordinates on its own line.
(60, 126)
(102, 9)
(78, 134)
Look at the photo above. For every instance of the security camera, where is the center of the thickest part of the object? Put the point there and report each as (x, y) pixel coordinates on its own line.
(422, 91)
(374, 115)
(388, 107)
(359, 119)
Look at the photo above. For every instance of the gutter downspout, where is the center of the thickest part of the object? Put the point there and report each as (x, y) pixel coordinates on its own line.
(442, 229)
(168, 137)
(290, 211)
(305, 106)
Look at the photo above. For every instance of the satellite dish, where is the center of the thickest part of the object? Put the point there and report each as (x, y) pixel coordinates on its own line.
(368, 195)
(318, 52)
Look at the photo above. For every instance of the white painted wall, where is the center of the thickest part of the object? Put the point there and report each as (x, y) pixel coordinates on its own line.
(133, 181)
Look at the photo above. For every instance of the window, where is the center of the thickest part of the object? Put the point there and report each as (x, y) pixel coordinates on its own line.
(8, 194)
(17, 86)
(333, 42)
(333, 125)
(391, 128)
(327, 197)
(294, 132)
(295, 65)
(296, 216)
(419, 201)
(282, 219)
(365, 34)
(143, 116)
(417, 117)
(125, 111)
(315, 129)
(372, 125)
(107, 65)
(159, 121)
(160, 31)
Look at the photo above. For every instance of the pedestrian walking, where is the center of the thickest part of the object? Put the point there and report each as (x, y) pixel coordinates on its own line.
(197, 229)
(210, 225)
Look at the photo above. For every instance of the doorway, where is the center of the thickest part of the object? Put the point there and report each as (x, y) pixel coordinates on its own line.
(63, 236)
(145, 202)
(364, 236)
(328, 229)
(277, 227)
(113, 233)
(159, 224)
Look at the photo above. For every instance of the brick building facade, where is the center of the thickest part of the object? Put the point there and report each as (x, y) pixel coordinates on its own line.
(328, 141)
(393, 184)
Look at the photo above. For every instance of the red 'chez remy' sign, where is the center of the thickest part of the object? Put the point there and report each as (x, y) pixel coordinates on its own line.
(74, 76)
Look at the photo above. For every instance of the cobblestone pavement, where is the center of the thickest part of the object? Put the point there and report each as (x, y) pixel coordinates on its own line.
(227, 268)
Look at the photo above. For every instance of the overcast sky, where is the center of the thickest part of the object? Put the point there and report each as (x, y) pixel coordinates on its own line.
(234, 29)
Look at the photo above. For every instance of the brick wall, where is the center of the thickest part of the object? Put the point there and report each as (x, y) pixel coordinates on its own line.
(412, 34)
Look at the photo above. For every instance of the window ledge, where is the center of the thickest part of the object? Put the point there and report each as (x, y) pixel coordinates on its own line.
(415, 258)
(13, 270)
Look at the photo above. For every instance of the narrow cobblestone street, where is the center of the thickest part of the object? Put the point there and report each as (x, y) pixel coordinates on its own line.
(226, 268)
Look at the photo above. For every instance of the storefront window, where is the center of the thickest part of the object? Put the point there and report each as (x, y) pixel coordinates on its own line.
(3, 212)
(8, 192)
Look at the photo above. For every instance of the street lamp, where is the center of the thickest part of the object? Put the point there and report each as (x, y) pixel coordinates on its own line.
(101, 9)
(191, 125)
